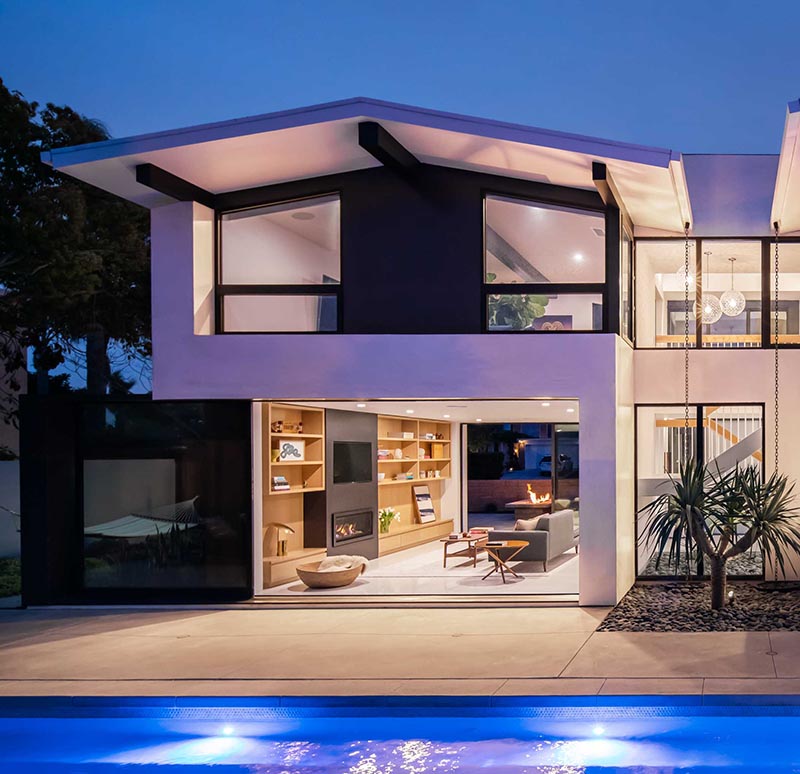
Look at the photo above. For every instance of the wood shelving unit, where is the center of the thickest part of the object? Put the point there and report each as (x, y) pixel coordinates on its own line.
(287, 506)
(397, 493)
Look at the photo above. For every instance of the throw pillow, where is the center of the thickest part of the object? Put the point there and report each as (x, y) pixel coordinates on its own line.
(526, 525)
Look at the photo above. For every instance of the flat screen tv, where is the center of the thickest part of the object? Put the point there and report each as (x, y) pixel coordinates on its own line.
(352, 462)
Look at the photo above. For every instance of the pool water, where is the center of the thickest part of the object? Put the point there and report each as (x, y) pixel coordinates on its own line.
(410, 738)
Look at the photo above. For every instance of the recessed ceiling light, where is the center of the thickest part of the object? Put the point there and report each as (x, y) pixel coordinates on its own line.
(578, 257)
(303, 215)
(361, 405)
(545, 405)
(409, 411)
(479, 420)
(446, 416)
(570, 411)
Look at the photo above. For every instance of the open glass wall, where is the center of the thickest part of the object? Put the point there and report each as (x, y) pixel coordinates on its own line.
(730, 435)
(788, 293)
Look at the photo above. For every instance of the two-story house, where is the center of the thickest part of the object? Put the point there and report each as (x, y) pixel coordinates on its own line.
(341, 291)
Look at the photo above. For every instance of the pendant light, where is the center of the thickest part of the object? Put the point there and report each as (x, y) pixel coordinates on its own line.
(710, 306)
(733, 302)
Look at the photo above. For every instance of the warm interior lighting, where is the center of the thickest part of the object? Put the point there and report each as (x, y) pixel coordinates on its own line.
(409, 411)
(446, 416)
(545, 405)
(361, 405)
(570, 411)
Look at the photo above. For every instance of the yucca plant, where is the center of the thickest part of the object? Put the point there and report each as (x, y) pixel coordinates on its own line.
(723, 515)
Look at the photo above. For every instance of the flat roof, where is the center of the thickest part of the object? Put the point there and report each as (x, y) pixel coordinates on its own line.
(323, 139)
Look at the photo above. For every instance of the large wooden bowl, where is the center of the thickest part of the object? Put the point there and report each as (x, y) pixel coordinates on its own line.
(327, 580)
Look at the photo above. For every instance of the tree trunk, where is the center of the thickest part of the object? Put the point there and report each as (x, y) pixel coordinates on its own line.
(718, 581)
(42, 375)
(98, 369)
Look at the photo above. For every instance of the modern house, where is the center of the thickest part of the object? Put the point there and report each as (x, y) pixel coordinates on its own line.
(342, 293)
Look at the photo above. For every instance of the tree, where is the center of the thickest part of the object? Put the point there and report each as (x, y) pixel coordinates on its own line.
(74, 260)
(723, 515)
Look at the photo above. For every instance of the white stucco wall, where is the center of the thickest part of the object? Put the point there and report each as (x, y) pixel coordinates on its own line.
(579, 366)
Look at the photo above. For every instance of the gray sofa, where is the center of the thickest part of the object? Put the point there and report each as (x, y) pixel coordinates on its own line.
(554, 534)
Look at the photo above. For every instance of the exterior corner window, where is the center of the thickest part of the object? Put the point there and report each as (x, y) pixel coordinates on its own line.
(788, 294)
(544, 267)
(544, 312)
(731, 294)
(660, 288)
(280, 267)
(626, 287)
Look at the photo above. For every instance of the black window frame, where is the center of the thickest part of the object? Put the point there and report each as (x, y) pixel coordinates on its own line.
(611, 273)
(767, 284)
(223, 290)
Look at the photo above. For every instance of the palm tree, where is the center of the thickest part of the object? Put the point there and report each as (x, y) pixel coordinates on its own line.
(723, 515)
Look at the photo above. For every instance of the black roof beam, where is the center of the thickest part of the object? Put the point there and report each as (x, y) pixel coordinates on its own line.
(609, 192)
(165, 182)
(375, 140)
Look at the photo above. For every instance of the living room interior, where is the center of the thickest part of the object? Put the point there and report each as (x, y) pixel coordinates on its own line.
(440, 497)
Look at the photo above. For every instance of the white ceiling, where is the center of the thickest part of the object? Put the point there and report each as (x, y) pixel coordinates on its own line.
(467, 411)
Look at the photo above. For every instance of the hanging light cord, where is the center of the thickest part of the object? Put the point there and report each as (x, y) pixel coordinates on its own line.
(777, 331)
(686, 443)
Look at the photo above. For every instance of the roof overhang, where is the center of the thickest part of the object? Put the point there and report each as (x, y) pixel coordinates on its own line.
(323, 140)
(786, 200)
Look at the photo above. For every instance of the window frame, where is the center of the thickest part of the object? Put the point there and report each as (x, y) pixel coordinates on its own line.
(545, 288)
(767, 279)
(223, 290)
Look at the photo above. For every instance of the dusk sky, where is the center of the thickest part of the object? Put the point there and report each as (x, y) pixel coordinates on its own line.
(691, 76)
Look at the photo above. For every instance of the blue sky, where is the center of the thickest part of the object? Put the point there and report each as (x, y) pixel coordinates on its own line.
(692, 76)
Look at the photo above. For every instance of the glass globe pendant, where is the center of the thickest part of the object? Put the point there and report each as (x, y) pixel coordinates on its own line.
(710, 306)
(684, 278)
(732, 301)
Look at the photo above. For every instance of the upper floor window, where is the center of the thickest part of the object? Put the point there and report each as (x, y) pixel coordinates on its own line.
(725, 289)
(544, 266)
(280, 267)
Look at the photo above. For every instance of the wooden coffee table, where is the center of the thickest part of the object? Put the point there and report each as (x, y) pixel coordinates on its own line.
(474, 544)
(501, 555)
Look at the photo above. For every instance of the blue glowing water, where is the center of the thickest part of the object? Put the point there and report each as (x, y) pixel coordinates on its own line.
(572, 741)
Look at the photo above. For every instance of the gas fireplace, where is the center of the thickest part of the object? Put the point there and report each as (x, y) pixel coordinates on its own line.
(352, 525)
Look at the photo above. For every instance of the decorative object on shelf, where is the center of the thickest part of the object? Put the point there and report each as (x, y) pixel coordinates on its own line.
(385, 518)
(275, 455)
(280, 484)
(275, 538)
(283, 426)
(430, 436)
(424, 504)
(439, 436)
(381, 476)
(292, 451)
(437, 473)
(277, 426)
(437, 451)
(732, 301)
(421, 453)
(384, 454)
(710, 306)
(423, 474)
(398, 454)
(403, 436)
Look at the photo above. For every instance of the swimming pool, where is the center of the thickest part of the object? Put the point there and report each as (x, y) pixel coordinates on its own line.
(398, 736)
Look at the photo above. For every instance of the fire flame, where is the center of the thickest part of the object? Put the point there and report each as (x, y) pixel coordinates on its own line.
(538, 499)
(347, 530)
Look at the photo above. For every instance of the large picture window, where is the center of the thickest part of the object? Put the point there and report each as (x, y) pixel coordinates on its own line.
(544, 267)
(280, 267)
(730, 435)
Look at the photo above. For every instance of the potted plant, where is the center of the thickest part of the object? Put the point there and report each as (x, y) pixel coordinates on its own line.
(723, 515)
(385, 518)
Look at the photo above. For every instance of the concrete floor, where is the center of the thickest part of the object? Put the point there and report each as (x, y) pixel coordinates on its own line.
(263, 652)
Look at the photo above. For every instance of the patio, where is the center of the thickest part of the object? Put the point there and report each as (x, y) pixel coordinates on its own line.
(422, 651)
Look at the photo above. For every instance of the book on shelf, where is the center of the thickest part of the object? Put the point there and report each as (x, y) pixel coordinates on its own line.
(280, 484)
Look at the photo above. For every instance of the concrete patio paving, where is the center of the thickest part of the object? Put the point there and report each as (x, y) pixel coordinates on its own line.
(253, 652)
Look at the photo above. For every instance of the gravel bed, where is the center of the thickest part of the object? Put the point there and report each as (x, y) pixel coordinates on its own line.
(750, 563)
(686, 607)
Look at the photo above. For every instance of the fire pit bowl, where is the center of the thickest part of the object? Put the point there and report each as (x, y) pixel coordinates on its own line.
(327, 580)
